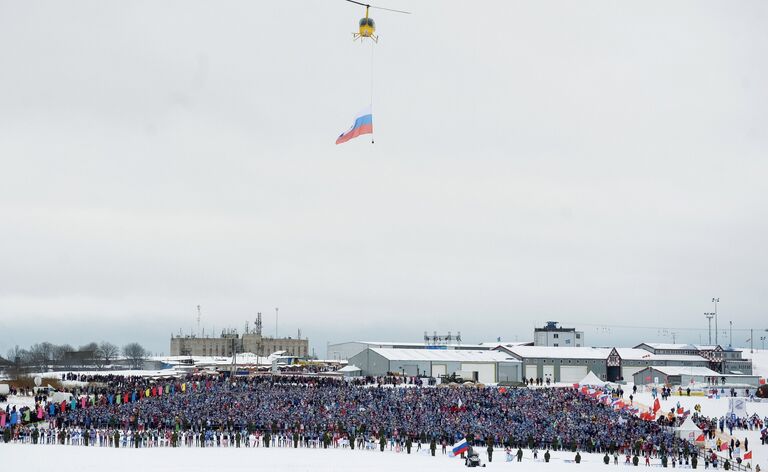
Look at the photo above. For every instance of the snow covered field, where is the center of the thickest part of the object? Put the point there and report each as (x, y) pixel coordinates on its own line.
(126, 373)
(716, 407)
(13, 457)
(759, 361)
(709, 406)
(80, 459)
(18, 402)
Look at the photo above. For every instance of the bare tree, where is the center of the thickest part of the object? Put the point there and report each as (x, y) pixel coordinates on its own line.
(59, 354)
(18, 357)
(15, 353)
(135, 353)
(41, 355)
(26, 358)
(107, 352)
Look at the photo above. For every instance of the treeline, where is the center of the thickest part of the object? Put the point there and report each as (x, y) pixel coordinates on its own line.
(45, 356)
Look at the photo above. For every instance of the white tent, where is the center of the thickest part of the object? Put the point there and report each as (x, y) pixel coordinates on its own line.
(592, 380)
(350, 371)
(688, 430)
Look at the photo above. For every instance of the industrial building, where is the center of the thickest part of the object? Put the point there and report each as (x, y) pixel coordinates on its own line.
(231, 342)
(566, 365)
(449, 342)
(486, 366)
(556, 354)
(553, 335)
(685, 376)
(347, 350)
(723, 360)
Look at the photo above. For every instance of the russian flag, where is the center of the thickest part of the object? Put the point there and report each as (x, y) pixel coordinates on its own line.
(460, 447)
(363, 125)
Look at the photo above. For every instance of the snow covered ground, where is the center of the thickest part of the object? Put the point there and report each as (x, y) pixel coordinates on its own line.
(81, 459)
(18, 401)
(127, 373)
(759, 361)
(78, 458)
(715, 407)
(709, 406)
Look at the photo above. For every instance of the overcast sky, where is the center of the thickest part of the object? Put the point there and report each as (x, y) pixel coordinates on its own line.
(600, 163)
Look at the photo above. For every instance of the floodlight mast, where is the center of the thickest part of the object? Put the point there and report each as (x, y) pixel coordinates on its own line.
(715, 301)
(709, 318)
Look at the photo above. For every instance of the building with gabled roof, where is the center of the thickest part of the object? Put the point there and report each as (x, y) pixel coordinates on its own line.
(723, 360)
(571, 364)
(487, 366)
(686, 376)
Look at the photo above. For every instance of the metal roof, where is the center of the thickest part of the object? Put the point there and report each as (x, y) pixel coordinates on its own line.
(598, 353)
(547, 352)
(449, 355)
(670, 346)
(681, 370)
(632, 354)
(422, 345)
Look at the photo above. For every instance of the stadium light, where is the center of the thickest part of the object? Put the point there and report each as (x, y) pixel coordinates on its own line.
(715, 301)
(709, 318)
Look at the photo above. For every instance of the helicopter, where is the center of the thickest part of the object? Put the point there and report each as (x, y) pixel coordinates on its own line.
(367, 25)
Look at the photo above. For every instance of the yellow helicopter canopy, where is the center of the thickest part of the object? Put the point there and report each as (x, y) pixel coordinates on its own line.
(367, 22)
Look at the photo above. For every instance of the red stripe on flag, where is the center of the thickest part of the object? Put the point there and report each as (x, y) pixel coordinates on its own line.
(364, 129)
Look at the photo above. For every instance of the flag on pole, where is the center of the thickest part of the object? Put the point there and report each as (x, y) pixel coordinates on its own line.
(363, 125)
(748, 456)
(656, 406)
(460, 447)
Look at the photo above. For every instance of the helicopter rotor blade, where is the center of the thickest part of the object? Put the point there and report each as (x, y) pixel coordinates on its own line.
(390, 9)
(378, 8)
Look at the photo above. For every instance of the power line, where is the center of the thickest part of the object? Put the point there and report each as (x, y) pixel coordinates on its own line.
(605, 325)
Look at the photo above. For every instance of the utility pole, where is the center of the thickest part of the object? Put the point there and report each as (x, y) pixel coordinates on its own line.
(276, 320)
(709, 318)
(715, 300)
(198, 320)
(730, 340)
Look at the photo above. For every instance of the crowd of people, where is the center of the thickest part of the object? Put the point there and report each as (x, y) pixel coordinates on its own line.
(324, 412)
